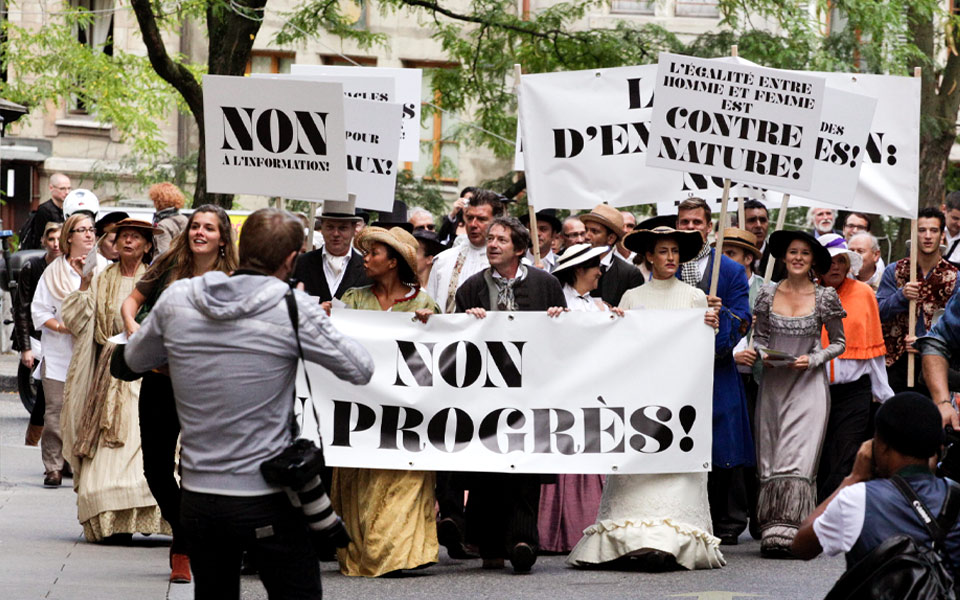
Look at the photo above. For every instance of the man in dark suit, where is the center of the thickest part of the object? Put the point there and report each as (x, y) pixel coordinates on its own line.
(502, 508)
(604, 226)
(336, 267)
(732, 438)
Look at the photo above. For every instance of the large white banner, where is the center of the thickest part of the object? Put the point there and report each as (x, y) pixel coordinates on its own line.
(742, 122)
(275, 138)
(407, 84)
(523, 393)
(585, 143)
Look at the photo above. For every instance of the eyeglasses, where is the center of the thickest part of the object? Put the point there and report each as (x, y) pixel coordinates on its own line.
(429, 227)
(83, 230)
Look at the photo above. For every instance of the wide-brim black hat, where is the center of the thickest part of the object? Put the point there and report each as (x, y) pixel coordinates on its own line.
(429, 241)
(548, 215)
(658, 221)
(780, 241)
(109, 219)
(642, 240)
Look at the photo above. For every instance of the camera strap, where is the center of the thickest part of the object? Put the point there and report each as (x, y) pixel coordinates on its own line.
(295, 321)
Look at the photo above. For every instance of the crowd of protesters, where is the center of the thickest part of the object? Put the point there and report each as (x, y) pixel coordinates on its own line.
(803, 361)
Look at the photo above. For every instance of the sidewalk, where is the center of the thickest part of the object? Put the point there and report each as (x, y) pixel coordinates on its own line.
(42, 549)
(9, 363)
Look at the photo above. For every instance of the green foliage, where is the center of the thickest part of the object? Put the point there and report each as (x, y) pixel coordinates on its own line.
(415, 191)
(147, 170)
(50, 64)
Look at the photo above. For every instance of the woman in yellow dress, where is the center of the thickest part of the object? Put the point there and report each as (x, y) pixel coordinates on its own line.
(389, 513)
(101, 435)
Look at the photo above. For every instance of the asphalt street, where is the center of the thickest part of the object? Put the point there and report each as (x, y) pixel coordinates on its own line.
(44, 555)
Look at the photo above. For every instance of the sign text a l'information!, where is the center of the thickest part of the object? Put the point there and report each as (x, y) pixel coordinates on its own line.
(749, 124)
(275, 138)
(522, 393)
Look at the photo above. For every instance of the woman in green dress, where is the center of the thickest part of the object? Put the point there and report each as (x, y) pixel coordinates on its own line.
(389, 513)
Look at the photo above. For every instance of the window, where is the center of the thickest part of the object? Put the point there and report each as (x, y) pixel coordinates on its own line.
(439, 154)
(262, 61)
(633, 7)
(97, 34)
(348, 61)
(697, 8)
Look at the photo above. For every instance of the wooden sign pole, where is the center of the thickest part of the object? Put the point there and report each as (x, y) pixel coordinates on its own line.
(912, 315)
(715, 274)
(534, 237)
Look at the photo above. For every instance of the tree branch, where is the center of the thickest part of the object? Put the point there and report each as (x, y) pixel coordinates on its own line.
(173, 73)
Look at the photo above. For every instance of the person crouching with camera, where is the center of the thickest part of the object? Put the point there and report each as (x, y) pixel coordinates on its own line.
(232, 350)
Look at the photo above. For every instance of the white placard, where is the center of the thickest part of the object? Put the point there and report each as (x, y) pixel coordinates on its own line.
(523, 393)
(408, 88)
(584, 137)
(379, 89)
(373, 145)
(275, 138)
(749, 124)
(888, 183)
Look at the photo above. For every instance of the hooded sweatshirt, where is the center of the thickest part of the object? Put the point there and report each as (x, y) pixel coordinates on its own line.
(233, 359)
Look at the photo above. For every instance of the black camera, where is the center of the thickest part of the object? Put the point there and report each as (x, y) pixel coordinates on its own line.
(949, 465)
(297, 469)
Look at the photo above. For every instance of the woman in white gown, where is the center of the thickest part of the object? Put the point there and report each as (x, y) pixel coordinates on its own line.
(662, 521)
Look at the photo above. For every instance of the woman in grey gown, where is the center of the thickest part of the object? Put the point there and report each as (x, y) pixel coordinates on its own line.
(794, 398)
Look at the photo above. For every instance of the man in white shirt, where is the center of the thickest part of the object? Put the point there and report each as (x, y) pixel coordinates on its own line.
(867, 508)
(336, 267)
(951, 210)
(454, 266)
(572, 232)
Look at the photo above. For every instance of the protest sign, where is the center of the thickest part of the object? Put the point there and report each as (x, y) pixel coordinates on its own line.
(744, 123)
(584, 137)
(373, 145)
(408, 84)
(373, 128)
(276, 138)
(522, 393)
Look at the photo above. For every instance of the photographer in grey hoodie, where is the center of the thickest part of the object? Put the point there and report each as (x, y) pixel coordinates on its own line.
(232, 354)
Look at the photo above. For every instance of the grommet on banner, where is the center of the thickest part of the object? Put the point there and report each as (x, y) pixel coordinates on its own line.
(597, 74)
(613, 468)
(509, 317)
(706, 465)
(410, 463)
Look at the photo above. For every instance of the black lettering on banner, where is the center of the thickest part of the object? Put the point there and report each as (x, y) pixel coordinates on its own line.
(408, 354)
(635, 94)
(343, 414)
(409, 111)
(708, 153)
(543, 434)
(490, 429)
(472, 368)
(688, 415)
(390, 427)
(511, 373)
(373, 166)
(875, 149)
(241, 126)
(439, 423)
(649, 428)
(591, 429)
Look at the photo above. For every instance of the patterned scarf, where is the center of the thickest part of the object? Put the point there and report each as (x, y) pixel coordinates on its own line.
(935, 290)
(690, 270)
(505, 297)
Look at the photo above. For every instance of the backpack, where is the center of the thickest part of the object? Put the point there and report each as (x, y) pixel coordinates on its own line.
(901, 568)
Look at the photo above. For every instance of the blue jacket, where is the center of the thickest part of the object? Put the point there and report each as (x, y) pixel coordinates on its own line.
(732, 437)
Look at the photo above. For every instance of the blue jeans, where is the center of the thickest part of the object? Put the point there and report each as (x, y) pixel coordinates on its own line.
(219, 528)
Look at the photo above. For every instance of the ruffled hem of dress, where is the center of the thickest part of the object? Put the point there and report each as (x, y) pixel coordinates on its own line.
(145, 519)
(609, 540)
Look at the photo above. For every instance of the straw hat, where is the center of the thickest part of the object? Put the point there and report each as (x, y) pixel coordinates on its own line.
(129, 223)
(780, 241)
(605, 215)
(835, 245)
(578, 254)
(398, 239)
(641, 240)
(741, 238)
